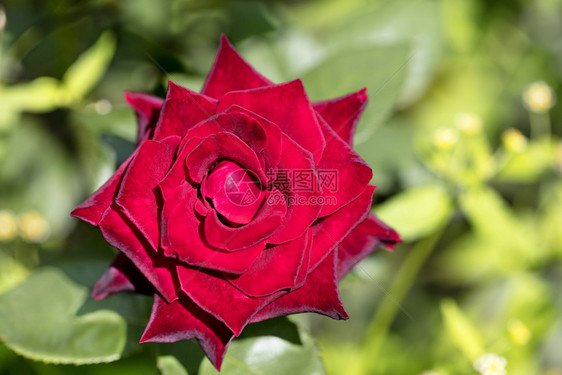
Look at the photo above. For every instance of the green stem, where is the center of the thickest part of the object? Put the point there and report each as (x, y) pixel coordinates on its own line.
(378, 328)
(540, 124)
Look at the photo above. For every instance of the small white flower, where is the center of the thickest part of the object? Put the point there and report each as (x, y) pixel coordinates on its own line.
(445, 138)
(539, 97)
(514, 140)
(33, 227)
(468, 123)
(490, 364)
(429, 372)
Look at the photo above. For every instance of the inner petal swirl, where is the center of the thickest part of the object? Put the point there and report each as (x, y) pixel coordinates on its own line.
(234, 191)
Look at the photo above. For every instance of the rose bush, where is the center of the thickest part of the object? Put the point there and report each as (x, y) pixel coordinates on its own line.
(242, 203)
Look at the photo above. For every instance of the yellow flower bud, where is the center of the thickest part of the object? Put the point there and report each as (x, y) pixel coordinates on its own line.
(514, 140)
(539, 97)
(8, 226)
(33, 227)
(519, 332)
(445, 138)
(468, 123)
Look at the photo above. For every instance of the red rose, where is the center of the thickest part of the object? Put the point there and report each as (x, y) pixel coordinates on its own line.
(239, 204)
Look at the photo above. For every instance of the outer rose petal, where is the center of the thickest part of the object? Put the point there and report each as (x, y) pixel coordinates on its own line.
(218, 297)
(157, 269)
(182, 109)
(352, 172)
(287, 106)
(147, 108)
(319, 294)
(362, 241)
(183, 320)
(343, 113)
(93, 208)
(121, 276)
(277, 268)
(330, 231)
(230, 72)
(136, 196)
(182, 236)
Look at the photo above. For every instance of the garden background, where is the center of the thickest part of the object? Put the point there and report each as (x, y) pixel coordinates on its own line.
(462, 131)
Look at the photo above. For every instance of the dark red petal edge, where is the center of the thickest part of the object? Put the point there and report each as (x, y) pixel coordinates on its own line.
(184, 320)
(231, 72)
(121, 276)
(343, 113)
(147, 108)
(362, 241)
(319, 294)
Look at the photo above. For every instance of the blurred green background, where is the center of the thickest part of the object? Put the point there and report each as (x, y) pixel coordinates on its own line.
(462, 131)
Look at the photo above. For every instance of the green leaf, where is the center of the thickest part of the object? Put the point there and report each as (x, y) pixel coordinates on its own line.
(416, 23)
(88, 69)
(269, 355)
(461, 330)
(169, 365)
(39, 95)
(529, 165)
(495, 221)
(38, 320)
(417, 212)
(12, 272)
(380, 68)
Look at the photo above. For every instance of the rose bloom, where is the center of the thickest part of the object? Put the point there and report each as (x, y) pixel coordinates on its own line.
(239, 204)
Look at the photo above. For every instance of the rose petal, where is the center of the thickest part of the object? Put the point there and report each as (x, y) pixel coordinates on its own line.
(119, 233)
(121, 276)
(231, 72)
(343, 113)
(182, 109)
(277, 268)
(222, 146)
(235, 193)
(305, 205)
(350, 171)
(178, 173)
(362, 241)
(264, 224)
(330, 231)
(136, 196)
(184, 320)
(218, 297)
(182, 236)
(147, 108)
(242, 125)
(287, 106)
(319, 294)
(93, 208)
(272, 150)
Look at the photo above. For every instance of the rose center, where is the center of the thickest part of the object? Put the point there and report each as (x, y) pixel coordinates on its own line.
(235, 193)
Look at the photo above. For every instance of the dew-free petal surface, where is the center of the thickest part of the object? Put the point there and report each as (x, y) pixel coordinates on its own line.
(287, 106)
(231, 72)
(343, 113)
(319, 294)
(184, 320)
